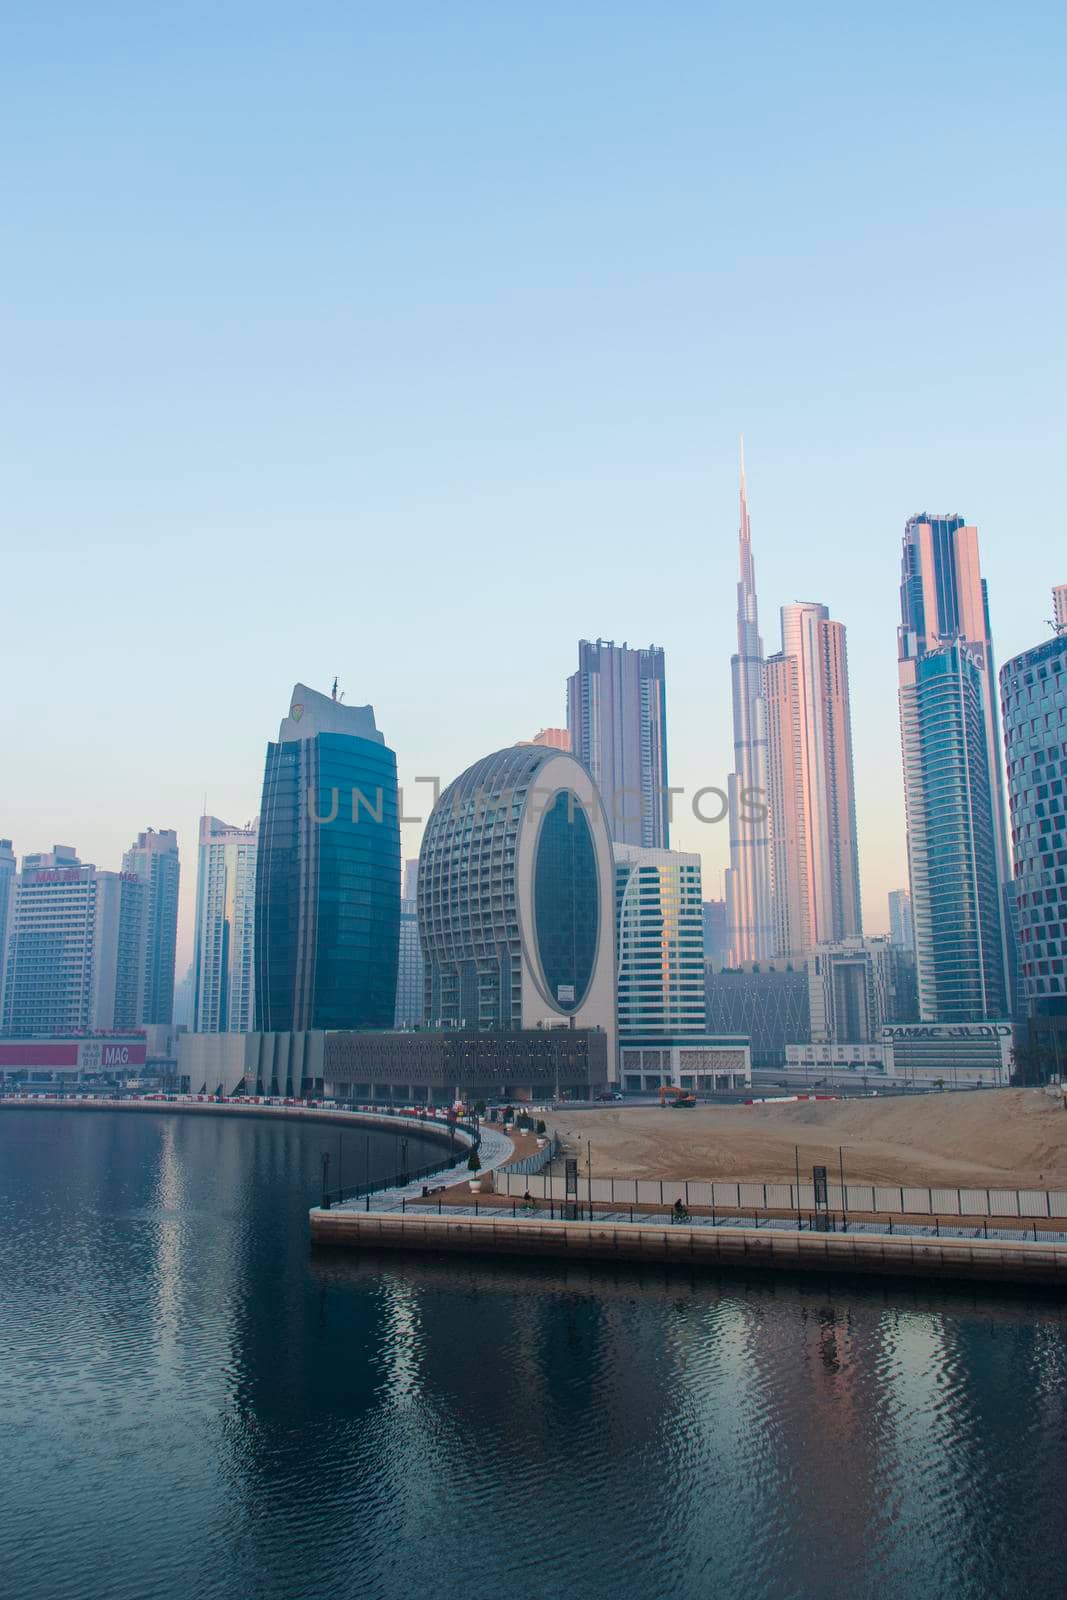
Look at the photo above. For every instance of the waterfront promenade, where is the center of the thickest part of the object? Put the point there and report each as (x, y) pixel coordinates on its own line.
(495, 1147)
(777, 1245)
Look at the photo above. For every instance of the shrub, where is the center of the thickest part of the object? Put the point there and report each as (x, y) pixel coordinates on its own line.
(474, 1161)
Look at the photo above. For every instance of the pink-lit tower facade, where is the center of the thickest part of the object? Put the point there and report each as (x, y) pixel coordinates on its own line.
(814, 852)
(748, 879)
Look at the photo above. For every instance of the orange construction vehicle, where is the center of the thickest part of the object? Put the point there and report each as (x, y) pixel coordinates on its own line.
(672, 1094)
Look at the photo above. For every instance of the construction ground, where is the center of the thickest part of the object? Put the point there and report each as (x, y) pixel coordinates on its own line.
(1011, 1138)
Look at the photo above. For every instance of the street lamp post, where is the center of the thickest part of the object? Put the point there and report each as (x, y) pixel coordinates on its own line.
(325, 1180)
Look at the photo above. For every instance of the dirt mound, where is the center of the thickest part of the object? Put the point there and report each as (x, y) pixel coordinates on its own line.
(1005, 1138)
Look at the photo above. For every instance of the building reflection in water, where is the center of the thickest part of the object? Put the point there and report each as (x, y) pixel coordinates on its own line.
(212, 1407)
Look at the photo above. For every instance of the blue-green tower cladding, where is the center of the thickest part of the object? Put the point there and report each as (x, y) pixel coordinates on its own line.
(958, 854)
(1033, 689)
(327, 919)
(952, 847)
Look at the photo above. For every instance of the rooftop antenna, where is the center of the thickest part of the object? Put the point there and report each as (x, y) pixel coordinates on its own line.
(334, 691)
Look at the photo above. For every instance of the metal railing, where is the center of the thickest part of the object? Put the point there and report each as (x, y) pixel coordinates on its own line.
(875, 1199)
(812, 1222)
(360, 1191)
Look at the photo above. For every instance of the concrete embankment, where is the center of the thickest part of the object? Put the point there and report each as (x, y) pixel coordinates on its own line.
(381, 1122)
(977, 1260)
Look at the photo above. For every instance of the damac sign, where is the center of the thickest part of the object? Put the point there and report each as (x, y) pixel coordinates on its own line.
(950, 1030)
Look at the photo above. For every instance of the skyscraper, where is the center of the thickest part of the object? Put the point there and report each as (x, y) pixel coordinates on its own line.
(943, 597)
(410, 973)
(814, 855)
(223, 968)
(517, 897)
(1033, 689)
(184, 992)
(952, 860)
(327, 915)
(951, 829)
(901, 932)
(8, 874)
(716, 933)
(856, 986)
(153, 859)
(659, 932)
(617, 720)
(748, 879)
(75, 950)
(119, 951)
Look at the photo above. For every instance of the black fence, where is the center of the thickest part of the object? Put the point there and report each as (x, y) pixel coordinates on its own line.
(404, 1175)
(811, 1222)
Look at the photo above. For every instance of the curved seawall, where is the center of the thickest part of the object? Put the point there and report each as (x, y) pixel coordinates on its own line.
(379, 1121)
(987, 1261)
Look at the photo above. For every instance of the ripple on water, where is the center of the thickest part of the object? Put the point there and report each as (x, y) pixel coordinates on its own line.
(196, 1404)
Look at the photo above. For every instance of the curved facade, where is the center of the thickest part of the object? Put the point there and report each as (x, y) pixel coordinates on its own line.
(1033, 689)
(516, 897)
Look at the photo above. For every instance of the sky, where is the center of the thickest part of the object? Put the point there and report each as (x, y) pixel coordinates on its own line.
(413, 343)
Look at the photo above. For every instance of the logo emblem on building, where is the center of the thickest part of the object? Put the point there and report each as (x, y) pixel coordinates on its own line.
(296, 711)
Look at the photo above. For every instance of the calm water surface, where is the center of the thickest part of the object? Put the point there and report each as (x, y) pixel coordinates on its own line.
(195, 1404)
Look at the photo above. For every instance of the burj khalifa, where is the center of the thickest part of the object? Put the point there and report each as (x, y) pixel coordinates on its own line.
(748, 881)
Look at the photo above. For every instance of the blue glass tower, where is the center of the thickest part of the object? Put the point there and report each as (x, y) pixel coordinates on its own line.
(1033, 689)
(952, 847)
(328, 873)
(944, 603)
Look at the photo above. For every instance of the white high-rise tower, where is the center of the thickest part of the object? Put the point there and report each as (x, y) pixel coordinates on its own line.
(225, 927)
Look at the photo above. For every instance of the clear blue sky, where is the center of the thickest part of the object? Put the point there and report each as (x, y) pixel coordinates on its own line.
(413, 343)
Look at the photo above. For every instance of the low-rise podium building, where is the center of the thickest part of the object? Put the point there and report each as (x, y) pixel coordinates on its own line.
(432, 1067)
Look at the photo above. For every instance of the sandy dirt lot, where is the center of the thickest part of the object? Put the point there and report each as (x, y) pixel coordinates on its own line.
(1007, 1138)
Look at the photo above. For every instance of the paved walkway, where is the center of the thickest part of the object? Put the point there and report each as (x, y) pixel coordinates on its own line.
(496, 1149)
(541, 1213)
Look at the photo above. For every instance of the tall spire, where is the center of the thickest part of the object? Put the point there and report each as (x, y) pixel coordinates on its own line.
(747, 569)
(749, 878)
(745, 531)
